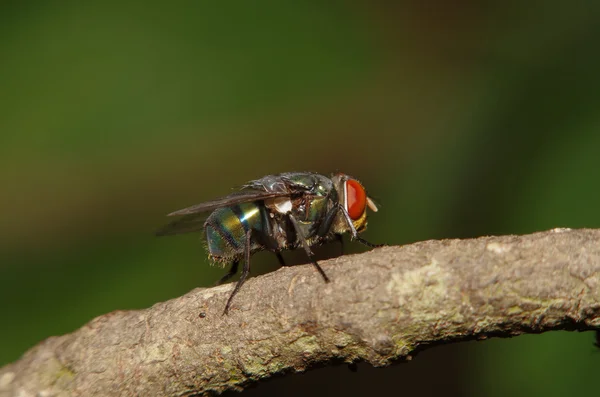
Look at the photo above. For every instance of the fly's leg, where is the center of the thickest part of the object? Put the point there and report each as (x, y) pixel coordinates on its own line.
(340, 239)
(232, 271)
(280, 258)
(368, 244)
(325, 226)
(354, 233)
(307, 249)
(328, 221)
(269, 241)
(245, 272)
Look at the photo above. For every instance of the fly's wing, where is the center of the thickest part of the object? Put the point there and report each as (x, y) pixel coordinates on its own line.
(194, 216)
(243, 196)
(286, 184)
(186, 224)
(270, 186)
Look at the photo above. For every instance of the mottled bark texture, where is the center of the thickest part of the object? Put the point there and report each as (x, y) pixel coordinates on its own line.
(381, 306)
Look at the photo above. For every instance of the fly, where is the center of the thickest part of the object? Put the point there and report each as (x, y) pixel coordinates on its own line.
(276, 213)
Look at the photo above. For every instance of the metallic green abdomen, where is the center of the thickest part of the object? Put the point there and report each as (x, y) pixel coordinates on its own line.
(226, 229)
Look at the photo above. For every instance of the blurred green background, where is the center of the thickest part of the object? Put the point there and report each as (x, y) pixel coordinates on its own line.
(462, 118)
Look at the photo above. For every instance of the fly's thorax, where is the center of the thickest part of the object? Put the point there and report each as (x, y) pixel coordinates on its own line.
(291, 182)
(278, 228)
(279, 205)
(314, 184)
(306, 207)
(226, 230)
(308, 210)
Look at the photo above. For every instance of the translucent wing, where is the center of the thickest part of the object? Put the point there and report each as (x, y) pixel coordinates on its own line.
(186, 224)
(194, 216)
(270, 186)
(243, 196)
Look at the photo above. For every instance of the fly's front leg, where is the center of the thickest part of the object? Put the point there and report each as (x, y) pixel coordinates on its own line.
(307, 249)
(367, 243)
(325, 226)
(245, 272)
(280, 258)
(340, 239)
(353, 231)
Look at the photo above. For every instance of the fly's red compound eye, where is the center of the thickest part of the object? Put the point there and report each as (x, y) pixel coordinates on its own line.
(357, 199)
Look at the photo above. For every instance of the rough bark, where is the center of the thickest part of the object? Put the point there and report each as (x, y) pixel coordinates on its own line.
(381, 306)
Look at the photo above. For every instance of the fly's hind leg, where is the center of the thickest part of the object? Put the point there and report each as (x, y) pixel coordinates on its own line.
(245, 272)
(232, 271)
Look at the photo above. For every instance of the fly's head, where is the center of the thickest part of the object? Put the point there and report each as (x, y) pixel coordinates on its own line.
(354, 199)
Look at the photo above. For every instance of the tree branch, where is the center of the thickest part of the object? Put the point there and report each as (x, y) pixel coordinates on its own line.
(381, 306)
